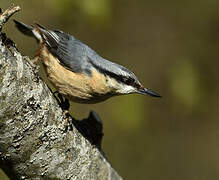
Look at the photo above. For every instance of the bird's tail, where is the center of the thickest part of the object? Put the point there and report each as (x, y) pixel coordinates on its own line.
(25, 29)
(28, 30)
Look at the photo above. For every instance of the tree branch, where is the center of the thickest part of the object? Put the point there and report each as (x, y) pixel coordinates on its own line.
(34, 141)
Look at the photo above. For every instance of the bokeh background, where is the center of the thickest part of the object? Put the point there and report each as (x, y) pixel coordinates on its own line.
(172, 46)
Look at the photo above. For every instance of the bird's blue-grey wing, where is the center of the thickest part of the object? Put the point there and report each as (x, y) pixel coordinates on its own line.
(68, 50)
(78, 57)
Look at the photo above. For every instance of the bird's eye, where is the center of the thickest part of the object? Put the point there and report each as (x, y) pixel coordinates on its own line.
(129, 81)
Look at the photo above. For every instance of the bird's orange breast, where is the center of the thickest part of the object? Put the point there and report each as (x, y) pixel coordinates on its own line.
(79, 87)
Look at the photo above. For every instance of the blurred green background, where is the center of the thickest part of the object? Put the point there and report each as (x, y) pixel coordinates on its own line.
(172, 46)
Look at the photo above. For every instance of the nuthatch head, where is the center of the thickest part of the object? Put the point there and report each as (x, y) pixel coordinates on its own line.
(77, 71)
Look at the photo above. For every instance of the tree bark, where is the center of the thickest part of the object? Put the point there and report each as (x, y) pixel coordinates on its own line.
(34, 140)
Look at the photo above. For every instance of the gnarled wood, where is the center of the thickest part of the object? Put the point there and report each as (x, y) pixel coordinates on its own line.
(34, 141)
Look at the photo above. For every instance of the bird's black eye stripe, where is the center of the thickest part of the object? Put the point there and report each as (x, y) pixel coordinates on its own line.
(126, 80)
(119, 78)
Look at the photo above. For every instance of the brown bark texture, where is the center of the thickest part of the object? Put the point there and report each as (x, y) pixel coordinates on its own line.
(35, 139)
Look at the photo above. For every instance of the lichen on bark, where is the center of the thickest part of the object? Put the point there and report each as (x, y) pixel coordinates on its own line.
(34, 140)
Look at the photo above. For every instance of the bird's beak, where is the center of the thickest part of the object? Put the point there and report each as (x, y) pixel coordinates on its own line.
(148, 92)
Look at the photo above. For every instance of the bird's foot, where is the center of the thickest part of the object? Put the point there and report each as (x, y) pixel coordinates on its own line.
(65, 105)
(63, 102)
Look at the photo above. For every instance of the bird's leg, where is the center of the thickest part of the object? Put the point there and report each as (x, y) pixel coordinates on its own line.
(65, 105)
(63, 102)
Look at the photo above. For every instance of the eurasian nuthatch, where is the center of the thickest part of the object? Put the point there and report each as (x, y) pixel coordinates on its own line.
(77, 71)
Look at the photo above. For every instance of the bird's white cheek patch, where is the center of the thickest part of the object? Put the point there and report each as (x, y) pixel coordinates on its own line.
(119, 88)
(125, 89)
